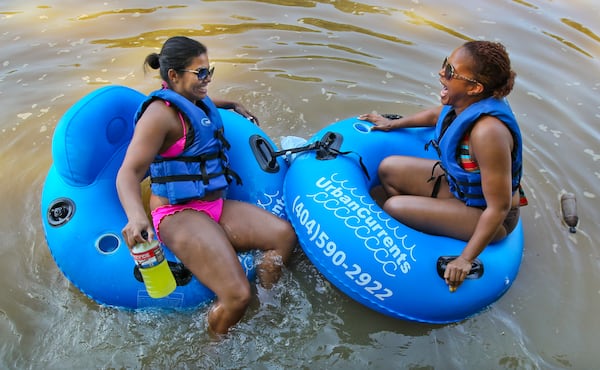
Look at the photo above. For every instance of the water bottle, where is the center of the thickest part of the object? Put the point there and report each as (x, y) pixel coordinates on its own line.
(291, 142)
(154, 268)
(568, 207)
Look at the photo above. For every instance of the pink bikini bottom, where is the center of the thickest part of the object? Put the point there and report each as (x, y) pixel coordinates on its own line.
(213, 209)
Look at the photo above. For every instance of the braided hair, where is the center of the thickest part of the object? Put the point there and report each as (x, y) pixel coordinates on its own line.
(491, 67)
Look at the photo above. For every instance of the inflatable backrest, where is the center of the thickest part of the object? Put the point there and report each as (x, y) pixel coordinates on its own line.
(92, 136)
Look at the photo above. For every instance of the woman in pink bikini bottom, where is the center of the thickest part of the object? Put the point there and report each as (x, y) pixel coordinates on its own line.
(206, 233)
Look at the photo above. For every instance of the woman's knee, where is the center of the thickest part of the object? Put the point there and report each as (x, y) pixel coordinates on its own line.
(394, 207)
(392, 174)
(236, 297)
(288, 233)
(285, 239)
(388, 167)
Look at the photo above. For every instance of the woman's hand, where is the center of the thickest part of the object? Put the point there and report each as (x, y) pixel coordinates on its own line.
(239, 108)
(456, 272)
(236, 107)
(380, 123)
(137, 232)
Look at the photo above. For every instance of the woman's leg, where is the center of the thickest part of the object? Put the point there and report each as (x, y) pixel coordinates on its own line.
(448, 217)
(401, 175)
(250, 227)
(407, 184)
(204, 248)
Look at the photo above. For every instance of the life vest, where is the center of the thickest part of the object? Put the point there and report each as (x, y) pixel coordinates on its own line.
(203, 166)
(465, 185)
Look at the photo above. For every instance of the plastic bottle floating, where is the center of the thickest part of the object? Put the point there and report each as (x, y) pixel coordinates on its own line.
(568, 209)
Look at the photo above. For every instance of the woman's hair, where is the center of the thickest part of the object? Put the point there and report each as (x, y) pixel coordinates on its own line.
(491, 67)
(177, 53)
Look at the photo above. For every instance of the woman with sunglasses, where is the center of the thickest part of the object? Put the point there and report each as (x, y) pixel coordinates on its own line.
(472, 192)
(200, 227)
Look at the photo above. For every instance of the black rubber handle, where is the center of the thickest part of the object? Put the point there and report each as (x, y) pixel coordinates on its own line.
(476, 267)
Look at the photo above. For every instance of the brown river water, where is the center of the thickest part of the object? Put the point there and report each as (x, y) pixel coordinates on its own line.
(300, 65)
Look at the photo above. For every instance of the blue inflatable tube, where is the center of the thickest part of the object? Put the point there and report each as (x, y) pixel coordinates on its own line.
(367, 254)
(82, 216)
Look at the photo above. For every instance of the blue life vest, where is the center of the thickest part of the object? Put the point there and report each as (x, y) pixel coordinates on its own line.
(465, 185)
(203, 166)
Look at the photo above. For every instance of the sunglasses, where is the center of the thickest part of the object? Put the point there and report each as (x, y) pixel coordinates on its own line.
(202, 73)
(450, 73)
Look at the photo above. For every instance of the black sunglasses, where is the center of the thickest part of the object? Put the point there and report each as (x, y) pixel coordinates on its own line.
(450, 73)
(202, 73)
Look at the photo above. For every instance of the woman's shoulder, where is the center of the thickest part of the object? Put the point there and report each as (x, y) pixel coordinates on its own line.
(159, 113)
(489, 129)
(160, 108)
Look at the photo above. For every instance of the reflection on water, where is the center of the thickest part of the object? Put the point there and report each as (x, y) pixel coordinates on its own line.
(133, 12)
(338, 27)
(581, 28)
(420, 20)
(299, 65)
(345, 6)
(155, 39)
